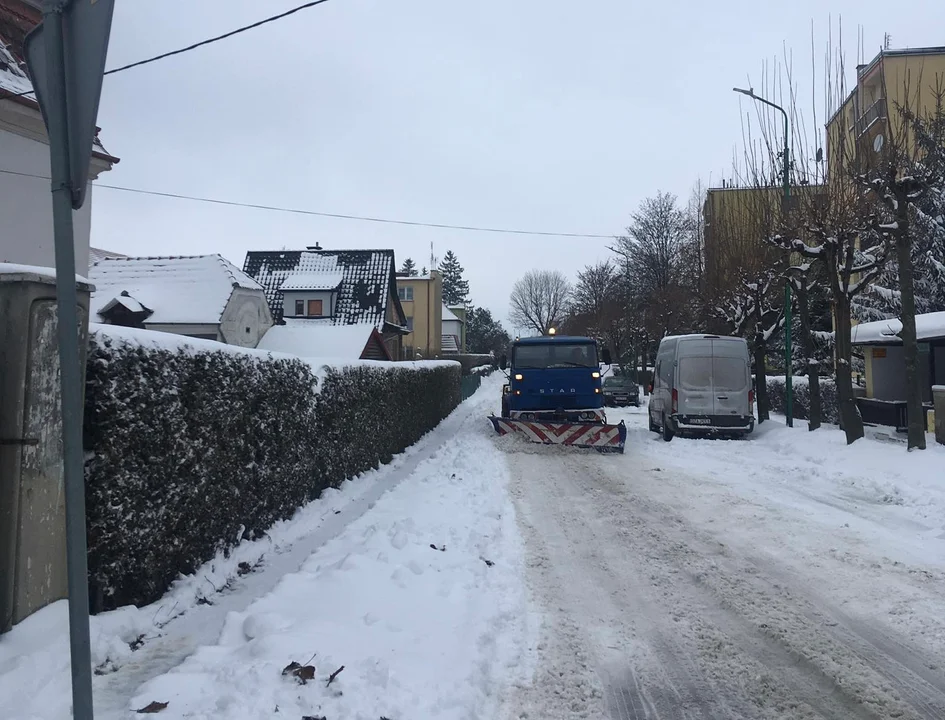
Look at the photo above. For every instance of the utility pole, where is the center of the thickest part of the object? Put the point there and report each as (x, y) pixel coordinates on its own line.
(66, 58)
(786, 157)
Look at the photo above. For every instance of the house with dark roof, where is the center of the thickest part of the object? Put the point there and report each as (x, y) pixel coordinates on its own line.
(203, 296)
(331, 303)
(25, 207)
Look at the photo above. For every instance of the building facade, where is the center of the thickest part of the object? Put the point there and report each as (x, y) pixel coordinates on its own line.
(422, 300)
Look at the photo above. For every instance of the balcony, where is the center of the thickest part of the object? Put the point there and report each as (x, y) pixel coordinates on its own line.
(874, 113)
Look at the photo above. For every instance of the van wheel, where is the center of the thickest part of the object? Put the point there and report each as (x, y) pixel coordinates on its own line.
(667, 430)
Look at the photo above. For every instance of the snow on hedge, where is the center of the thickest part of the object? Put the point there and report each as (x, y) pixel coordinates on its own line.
(192, 445)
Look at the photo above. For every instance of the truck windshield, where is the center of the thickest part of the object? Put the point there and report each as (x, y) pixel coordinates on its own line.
(555, 355)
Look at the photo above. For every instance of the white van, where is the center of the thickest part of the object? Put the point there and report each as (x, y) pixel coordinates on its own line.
(702, 385)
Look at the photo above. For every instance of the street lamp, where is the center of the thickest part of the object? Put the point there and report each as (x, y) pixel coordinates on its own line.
(789, 381)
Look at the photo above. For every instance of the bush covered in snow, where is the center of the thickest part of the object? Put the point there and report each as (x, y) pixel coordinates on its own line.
(829, 404)
(190, 449)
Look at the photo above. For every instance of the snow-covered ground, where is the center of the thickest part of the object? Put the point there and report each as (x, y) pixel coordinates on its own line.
(783, 576)
(409, 577)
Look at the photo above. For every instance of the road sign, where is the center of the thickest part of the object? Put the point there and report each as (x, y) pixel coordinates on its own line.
(86, 25)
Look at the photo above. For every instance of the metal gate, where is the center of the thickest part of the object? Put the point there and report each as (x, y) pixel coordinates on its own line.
(470, 383)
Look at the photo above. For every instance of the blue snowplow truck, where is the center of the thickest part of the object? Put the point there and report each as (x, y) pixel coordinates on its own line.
(554, 394)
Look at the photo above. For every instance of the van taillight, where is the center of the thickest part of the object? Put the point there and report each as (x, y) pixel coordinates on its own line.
(751, 399)
(675, 401)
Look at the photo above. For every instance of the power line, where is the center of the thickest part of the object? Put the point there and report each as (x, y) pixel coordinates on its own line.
(209, 41)
(338, 216)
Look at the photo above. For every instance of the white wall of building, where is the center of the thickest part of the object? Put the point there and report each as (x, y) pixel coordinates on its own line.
(26, 224)
(246, 318)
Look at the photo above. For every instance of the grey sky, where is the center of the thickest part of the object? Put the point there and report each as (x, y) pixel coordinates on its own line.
(534, 114)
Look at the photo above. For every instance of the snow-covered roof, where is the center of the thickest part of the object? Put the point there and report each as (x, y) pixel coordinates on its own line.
(449, 315)
(317, 338)
(329, 280)
(180, 290)
(127, 302)
(929, 326)
(367, 280)
(14, 81)
(96, 254)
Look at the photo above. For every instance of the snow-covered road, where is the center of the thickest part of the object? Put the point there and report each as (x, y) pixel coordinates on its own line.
(786, 576)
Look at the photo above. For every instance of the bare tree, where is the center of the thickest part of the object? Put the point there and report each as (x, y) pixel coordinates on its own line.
(539, 300)
(834, 227)
(598, 307)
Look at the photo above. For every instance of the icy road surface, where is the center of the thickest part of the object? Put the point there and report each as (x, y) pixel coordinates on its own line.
(786, 576)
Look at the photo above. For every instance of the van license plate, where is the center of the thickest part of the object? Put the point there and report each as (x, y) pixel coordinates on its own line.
(701, 421)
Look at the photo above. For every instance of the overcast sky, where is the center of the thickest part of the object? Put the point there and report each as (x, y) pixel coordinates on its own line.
(533, 114)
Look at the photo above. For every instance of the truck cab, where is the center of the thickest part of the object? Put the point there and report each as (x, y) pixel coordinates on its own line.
(554, 378)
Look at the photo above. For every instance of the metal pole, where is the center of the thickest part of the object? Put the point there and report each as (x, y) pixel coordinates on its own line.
(69, 366)
(788, 355)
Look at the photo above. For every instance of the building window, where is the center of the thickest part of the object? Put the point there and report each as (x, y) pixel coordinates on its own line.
(314, 308)
(299, 307)
(409, 324)
(405, 293)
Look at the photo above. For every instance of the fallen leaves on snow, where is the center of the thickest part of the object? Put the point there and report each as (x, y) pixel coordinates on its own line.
(154, 707)
(302, 673)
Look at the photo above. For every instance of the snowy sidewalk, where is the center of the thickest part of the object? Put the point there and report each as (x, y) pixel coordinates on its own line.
(420, 598)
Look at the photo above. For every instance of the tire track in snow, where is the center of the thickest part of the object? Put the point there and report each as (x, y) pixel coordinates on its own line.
(715, 629)
(833, 660)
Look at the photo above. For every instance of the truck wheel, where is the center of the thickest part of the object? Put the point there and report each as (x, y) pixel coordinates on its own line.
(667, 430)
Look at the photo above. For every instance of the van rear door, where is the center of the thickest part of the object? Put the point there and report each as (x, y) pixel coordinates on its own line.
(730, 378)
(694, 377)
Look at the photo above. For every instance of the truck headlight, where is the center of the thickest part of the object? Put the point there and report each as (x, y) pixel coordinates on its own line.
(518, 376)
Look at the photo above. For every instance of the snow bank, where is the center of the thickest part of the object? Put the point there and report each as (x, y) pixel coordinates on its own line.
(420, 600)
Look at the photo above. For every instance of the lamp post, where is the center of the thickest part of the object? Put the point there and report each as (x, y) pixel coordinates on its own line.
(789, 381)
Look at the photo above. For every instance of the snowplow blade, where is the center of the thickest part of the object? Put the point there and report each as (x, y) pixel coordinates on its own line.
(604, 438)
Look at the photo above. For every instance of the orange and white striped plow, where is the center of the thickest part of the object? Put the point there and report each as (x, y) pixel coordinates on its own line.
(605, 438)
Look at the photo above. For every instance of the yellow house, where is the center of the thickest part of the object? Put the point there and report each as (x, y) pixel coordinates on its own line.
(422, 300)
(737, 222)
(869, 117)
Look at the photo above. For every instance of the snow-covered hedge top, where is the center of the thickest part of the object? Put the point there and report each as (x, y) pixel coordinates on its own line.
(886, 332)
(174, 343)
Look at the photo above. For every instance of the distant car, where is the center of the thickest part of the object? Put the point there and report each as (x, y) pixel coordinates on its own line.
(620, 391)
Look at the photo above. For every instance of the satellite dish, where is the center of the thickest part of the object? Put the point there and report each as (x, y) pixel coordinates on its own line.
(878, 143)
(820, 154)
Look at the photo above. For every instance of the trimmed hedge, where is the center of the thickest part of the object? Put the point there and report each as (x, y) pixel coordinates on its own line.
(188, 451)
(829, 404)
